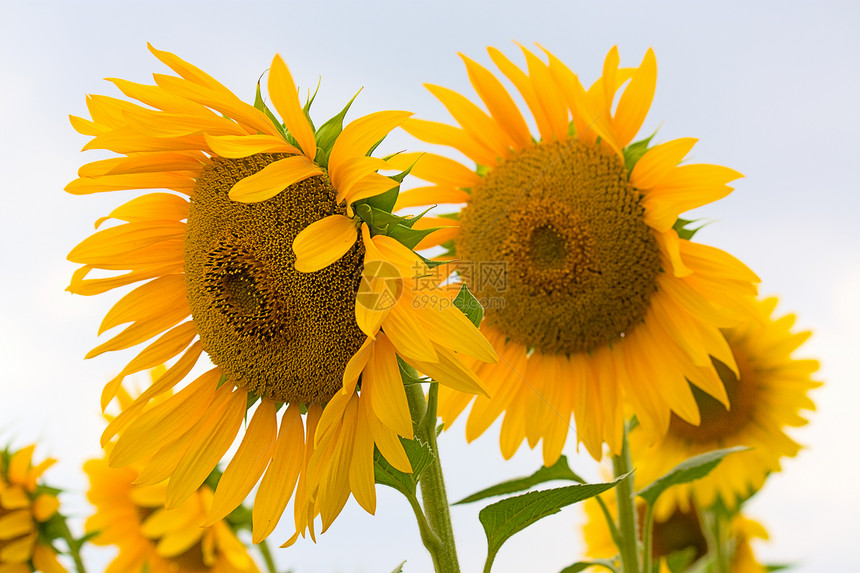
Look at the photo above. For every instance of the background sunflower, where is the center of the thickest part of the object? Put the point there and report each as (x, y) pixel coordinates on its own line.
(776, 102)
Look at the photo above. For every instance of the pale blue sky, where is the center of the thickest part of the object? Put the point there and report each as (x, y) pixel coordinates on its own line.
(771, 89)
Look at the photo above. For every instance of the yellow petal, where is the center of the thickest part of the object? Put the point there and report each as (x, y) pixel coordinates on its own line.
(423, 196)
(236, 146)
(163, 180)
(450, 371)
(323, 242)
(551, 101)
(658, 162)
(524, 86)
(383, 387)
(436, 169)
(18, 551)
(474, 121)
(215, 434)
(164, 383)
(166, 421)
(147, 302)
(274, 178)
(166, 347)
(285, 97)
(359, 136)
(15, 524)
(19, 465)
(248, 463)
(588, 121)
(225, 103)
(155, 162)
(153, 206)
(45, 506)
(448, 135)
(636, 100)
(120, 241)
(406, 333)
(361, 477)
(499, 103)
(277, 485)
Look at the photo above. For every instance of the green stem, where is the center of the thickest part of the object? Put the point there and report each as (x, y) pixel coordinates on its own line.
(715, 533)
(646, 539)
(432, 482)
(267, 556)
(74, 545)
(610, 521)
(622, 464)
(431, 540)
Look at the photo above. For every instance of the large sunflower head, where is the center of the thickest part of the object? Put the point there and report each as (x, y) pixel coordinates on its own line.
(27, 507)
(598, 293)
(767, 395)
(677, 535)
(271, 248)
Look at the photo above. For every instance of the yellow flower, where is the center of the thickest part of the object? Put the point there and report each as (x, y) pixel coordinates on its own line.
(679, 531)
(25, 506)
(599, 298)
(766, 398)
(223, 278)
(152, 538)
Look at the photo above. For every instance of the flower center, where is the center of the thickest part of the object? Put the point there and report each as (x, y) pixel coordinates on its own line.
(717, 422)
(579, 261)
(680, 531)
(279, 333)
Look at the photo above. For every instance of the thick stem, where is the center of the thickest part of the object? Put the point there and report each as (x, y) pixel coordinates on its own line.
(627, 526)
(432, 483)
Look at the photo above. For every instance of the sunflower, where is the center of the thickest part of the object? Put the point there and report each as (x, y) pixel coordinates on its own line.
(290, 331)
(573, 242)
(152, 538)
(766, 397)
(680, 531)
(26, 506)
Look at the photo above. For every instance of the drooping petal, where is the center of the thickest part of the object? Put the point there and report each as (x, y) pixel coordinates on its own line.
(323, 242)
(248, 463)
(274, 178)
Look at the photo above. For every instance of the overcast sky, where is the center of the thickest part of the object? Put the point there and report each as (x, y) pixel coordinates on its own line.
(771, 89)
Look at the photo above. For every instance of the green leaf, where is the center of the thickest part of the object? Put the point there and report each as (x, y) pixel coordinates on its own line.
(689, 470)
(504, 518)
(419, 456)
(679, 561)
(583, 565)
(634, 152)
(307, 107)
(222, 380)
(408, 236)
(469, 305)
(399, 568)
(680, 227)
(560, 470)
(779, 566)
(261, 105)
(384, 201)
(328, 133)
